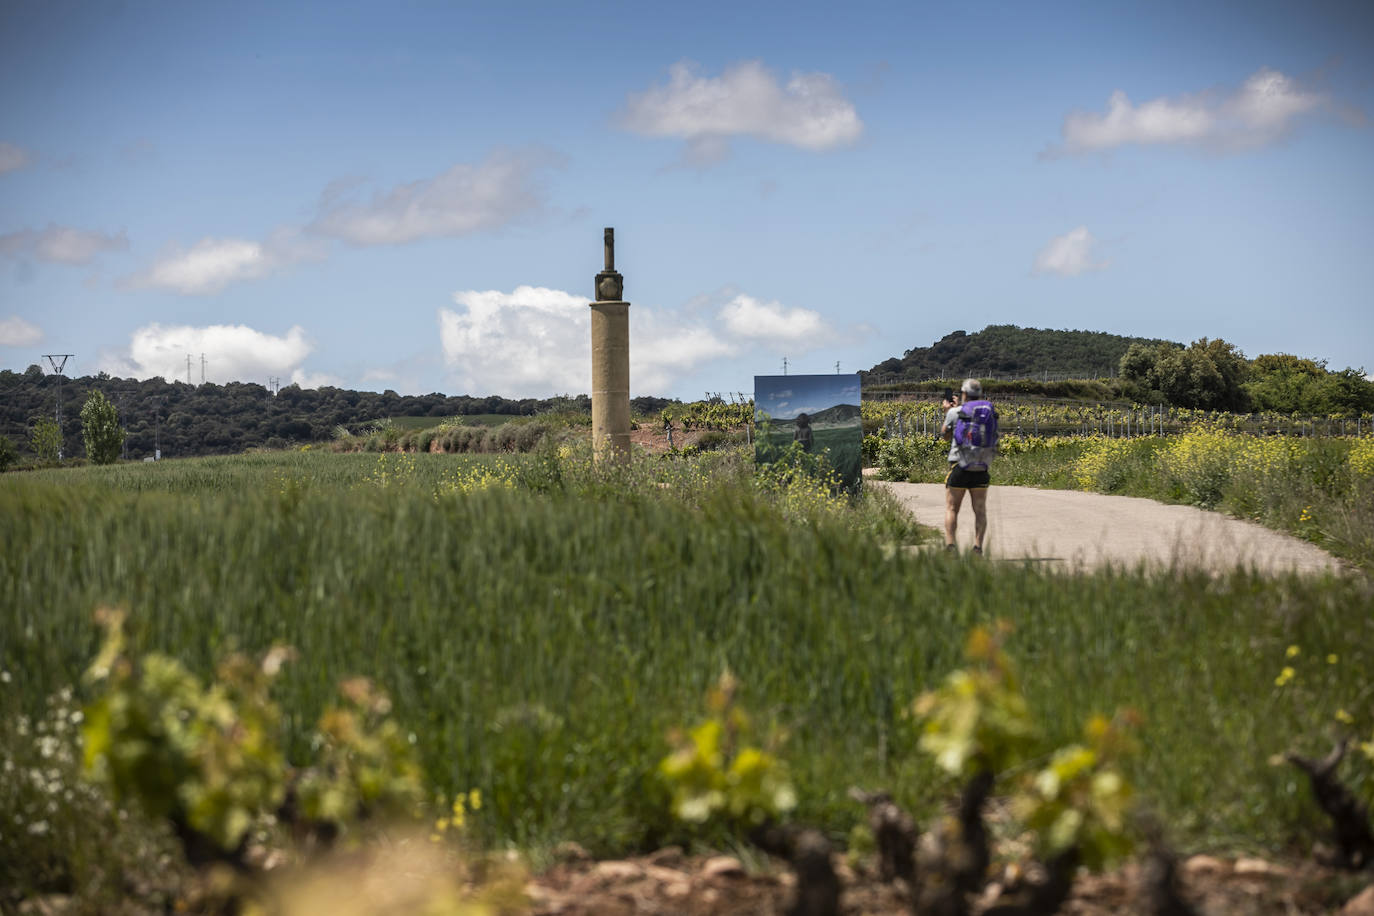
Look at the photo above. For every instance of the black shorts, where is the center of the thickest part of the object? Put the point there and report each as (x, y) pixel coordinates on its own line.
(963, 478)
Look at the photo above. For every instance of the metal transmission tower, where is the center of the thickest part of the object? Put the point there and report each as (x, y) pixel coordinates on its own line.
(202, 368)
(188, 368)
(58, 361)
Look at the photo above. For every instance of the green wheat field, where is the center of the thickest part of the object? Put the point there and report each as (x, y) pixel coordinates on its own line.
(542, 623)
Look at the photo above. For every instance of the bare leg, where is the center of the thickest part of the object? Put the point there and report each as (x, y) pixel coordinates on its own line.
(954, 498)
(979, 499)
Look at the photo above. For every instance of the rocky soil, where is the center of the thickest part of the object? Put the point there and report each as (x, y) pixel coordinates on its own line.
(669, 882)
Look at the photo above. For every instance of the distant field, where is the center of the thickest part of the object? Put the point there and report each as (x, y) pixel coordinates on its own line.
(474, 419)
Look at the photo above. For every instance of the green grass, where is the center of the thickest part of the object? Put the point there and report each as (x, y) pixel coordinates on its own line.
(541, 639)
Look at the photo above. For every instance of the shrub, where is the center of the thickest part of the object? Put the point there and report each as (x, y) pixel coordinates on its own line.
(1199, 464)
(100, 429)
(714, 439)
(1103, 464)
(1362, 457)
(909, 457)
(46, 440)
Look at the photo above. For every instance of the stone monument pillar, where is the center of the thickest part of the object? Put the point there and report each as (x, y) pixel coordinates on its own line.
(610, 362)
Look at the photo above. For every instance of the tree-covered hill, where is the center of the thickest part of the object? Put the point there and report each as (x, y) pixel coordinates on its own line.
(1002, 350)
(211, 419)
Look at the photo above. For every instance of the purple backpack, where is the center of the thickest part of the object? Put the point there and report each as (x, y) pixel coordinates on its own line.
(976, 434)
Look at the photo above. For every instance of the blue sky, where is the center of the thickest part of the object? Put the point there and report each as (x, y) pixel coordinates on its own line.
(411, 195)
(784, 396)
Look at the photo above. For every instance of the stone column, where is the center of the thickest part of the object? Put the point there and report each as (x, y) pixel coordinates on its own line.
(610, 362)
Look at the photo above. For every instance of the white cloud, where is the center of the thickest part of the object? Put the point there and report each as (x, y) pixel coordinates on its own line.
(530, 342)
(1259, 112)
(463, 200)
(61, 244)
(16, 332)
(212, 264)
(232, 353)
(771, 322)
(535, 342)
(303, 379)
(809, 112)
(665, 345)
(12, 157)
(1069, 254)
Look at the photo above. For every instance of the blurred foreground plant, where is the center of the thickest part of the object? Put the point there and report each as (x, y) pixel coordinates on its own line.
(978, 727)
(209, 758)
(206, 758)
(715, 771)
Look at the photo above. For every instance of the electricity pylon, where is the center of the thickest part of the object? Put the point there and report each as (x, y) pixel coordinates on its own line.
(58, 361)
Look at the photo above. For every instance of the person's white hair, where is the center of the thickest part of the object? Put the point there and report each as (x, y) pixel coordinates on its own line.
(972, 387)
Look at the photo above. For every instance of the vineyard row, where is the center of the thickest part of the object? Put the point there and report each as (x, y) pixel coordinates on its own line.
(905, 418)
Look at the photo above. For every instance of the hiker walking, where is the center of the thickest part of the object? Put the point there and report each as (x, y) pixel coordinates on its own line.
(971, 428)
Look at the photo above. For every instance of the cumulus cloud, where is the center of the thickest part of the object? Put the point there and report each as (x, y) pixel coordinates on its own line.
(16, 332)
(1069, 254)
(232, 353)
(212, 264)
(460, 201)
(529, 342)
(772, 322)
(534, 341)
(12, 157)
(304, 379)
(61, 244)
(1261, 111)
(809, 111)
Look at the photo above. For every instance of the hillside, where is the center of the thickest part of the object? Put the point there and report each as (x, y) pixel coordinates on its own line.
(838, 415)
(1005, 350)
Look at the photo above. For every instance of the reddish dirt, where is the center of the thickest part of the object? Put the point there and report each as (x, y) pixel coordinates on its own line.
(655, 441)
(668, 882)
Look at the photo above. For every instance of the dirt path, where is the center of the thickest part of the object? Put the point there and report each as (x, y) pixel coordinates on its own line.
(1069, 529)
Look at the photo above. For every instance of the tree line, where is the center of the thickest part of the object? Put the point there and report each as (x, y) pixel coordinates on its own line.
(208, 419)
(1008, 350)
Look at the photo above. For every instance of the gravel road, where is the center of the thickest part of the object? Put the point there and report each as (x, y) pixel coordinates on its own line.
(1069, 529)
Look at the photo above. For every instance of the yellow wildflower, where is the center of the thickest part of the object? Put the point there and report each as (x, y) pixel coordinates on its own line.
(1286, 675)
